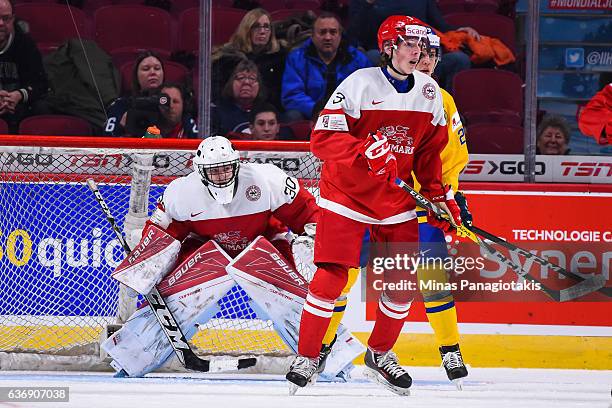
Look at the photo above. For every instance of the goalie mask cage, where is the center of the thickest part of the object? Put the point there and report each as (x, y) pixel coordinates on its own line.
(57, 250)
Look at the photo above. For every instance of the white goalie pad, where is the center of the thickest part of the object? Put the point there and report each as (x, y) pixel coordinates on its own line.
(191, 291)
(279, 292)
(149, 262)
(302, 249)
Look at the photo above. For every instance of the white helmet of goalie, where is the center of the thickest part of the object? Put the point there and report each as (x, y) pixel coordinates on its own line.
(218, 163)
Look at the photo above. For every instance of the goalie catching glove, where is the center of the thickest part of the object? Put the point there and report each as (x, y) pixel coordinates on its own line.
(445, 197)
(302, 248)
(381, 160)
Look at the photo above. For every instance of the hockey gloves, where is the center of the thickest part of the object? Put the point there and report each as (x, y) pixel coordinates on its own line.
(443, 196)
(381, 161)
(466, 215)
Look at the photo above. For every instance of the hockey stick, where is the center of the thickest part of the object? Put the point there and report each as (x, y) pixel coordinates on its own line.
(164, 316)
(563, 295)
(542, 261)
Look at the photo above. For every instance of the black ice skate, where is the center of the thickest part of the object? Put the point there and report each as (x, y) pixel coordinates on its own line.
(303, 372)
(385, 369)
(325, 350)
(452, 361)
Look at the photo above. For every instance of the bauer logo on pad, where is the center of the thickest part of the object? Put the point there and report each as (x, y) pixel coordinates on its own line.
(205, 264)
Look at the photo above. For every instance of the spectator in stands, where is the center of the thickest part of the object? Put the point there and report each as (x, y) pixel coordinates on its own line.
(241, 93)
(23, 81)
(177, 120)
(264, 125)
(553, 136)
(596, 117)
(365, 16)
(255, 40)
(314, 70)
(147, 77)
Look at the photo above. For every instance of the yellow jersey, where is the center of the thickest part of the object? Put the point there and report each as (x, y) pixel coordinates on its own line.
(454, 157)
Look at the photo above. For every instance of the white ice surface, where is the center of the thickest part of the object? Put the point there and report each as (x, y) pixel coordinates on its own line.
(490, 387)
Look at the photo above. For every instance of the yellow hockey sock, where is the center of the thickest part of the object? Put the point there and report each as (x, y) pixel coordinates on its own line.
(442, 317)
(340, 306)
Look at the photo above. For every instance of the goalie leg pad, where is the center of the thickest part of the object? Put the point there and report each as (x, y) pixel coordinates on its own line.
(191, 291)
(279, 292)
(273, 284)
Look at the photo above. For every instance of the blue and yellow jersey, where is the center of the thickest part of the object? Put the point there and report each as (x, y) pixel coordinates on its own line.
(455, 154)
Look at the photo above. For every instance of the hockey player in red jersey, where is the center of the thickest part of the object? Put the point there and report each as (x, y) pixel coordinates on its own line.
(203, 228)
(232, 203)
(379, 124)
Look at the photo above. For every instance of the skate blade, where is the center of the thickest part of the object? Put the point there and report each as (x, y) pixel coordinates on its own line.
(121, 374)
(458, 383)
(292, 388)
(376, 377)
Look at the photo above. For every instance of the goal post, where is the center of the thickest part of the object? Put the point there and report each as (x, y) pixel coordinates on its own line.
(57, 250)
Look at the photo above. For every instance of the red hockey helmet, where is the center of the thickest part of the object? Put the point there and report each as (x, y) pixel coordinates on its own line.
(396, 26)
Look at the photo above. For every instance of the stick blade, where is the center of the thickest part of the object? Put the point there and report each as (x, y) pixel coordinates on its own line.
(585, 287)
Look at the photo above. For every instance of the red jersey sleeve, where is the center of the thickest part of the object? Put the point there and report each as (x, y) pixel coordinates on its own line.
(596, 117)
(331, 138)
(301, 211)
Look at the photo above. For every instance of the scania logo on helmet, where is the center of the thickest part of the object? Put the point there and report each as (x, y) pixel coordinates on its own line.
(416, 30)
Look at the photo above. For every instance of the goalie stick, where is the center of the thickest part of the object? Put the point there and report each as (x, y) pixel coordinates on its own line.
(164, 316)
(582, 288)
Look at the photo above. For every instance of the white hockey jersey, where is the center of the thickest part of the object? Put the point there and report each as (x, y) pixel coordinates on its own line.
(415, 126)
(263, 191)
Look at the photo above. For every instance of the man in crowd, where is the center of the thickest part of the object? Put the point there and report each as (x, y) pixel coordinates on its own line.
(22, 77)
(314, 70)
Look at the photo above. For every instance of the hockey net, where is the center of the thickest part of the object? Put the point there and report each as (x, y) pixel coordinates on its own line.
(57, 250)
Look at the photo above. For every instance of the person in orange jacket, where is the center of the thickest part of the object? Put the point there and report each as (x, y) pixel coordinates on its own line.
(596, 117)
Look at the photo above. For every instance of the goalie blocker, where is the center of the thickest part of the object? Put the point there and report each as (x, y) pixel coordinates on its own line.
(192, 291)
(149, 262)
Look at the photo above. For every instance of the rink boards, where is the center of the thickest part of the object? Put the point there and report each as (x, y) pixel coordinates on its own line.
(43, 255)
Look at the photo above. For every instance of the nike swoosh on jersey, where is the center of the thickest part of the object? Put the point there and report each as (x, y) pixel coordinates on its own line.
(376, 102)
(196, 214)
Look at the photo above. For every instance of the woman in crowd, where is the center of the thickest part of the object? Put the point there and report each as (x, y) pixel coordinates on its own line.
(241, 93)
(254, 39)
(147, 77)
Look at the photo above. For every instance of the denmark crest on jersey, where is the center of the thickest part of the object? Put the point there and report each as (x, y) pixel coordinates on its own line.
(253, 193)
(429, 91)
(399, 139)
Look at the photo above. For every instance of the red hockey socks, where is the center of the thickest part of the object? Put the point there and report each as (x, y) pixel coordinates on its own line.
(328, 282)
(390, 318)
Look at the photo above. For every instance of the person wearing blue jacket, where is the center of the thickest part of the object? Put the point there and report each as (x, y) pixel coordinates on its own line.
(314, 70)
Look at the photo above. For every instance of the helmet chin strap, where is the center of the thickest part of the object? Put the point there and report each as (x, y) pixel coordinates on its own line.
(398, 72)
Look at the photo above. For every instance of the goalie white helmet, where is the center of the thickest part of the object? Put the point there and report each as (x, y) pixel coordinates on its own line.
(218, 163)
